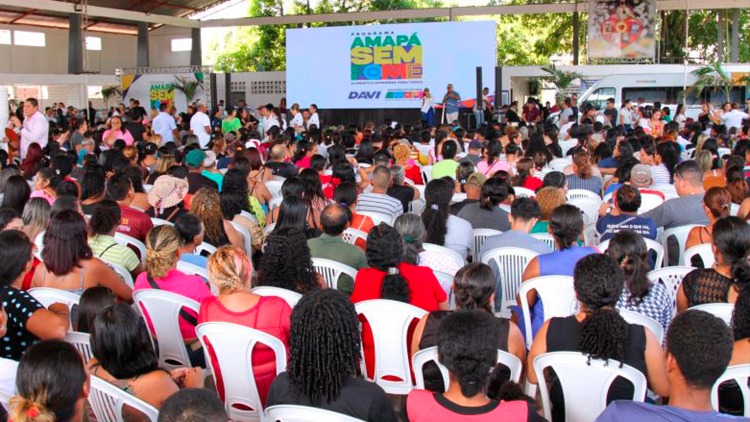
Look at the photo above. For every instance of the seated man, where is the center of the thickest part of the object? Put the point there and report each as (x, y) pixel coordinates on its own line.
(627, 200)
(699, 346)
(193, 405)
(377, 200)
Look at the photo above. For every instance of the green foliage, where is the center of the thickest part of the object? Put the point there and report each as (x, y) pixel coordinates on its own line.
(714, 77)
(187, 85)
(561, 79)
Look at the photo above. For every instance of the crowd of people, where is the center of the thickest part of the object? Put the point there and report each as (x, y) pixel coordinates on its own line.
(252, 197)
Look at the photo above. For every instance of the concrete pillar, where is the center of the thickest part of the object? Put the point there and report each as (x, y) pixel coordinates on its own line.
(142, 54)
(228, 89)
(195, 52)
(735, 36)
(75, 45)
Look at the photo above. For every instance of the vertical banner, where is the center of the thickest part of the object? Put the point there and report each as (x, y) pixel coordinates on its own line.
(622, 29)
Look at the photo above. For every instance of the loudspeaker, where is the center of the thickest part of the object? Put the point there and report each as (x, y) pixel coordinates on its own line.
(498, 87)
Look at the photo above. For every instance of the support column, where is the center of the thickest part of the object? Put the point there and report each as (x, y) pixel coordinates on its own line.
(228, 89)
(195, 52)
(720, 36)
(143, 53)
(576, 34)
(75, 45)
(735, 36)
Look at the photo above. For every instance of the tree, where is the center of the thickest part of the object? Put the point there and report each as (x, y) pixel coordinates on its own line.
(714, 77)
(561, 79)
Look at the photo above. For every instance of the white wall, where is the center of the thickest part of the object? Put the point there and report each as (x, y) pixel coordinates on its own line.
(259, 87)
(160, 47)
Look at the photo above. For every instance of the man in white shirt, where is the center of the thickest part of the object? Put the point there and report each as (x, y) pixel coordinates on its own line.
(35, 127)
(377, 200)
(734, 117)
(164, 125)
(200, 125)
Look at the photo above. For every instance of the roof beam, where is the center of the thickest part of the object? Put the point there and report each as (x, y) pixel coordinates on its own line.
(449, 12)
(102, 12)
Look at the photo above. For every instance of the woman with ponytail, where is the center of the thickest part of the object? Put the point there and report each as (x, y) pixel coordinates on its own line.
(52, 385)
(730, 396)
(443, 228)
(389, 277)
(473, 289)
(598, 331)
(628, 249)
(467, 346)
(412, 230)
(717, 203)
(487, 214)
(583, 174)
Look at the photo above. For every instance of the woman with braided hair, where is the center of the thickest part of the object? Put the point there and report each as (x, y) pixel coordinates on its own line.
(206, 204)
(323, 361)
(473, 289)
(286, 262)
(598, 331)
(230, 271)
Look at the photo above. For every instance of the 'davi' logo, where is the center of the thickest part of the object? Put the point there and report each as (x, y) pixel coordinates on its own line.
(383, 57)
(364, 95)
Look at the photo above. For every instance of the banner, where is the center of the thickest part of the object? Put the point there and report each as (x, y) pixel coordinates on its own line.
(154, 89)
(388, 66)
(622, 29)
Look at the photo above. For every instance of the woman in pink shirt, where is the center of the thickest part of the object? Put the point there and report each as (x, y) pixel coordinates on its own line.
(116, 132)
(162, 255)
(45, 184)
(492, 163)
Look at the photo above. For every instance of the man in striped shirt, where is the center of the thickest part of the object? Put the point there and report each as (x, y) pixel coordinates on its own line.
(377, 200)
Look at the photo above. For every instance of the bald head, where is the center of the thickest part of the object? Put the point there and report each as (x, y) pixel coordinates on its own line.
(278, 152)
(381, 177)
(334, 219)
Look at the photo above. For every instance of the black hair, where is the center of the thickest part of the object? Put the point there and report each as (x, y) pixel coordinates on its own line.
(566, 225)
(731, 236)
(67, 188)
(467, 345)
(292, 213)
(598, 283)
(344, 172)
(555, 179)
(234, 197)
(366, 152)
(313, 187)
(7, 215)
(669, 156)
(494, 192)
(277, 270)
(450, 149)
(15, 253)
(188, 226)
(628, 198)
(493, 151)
(177, 171)
(121, 343)
(17, 193)
(473, 287)
(630, 252)
(702, 346)
(293, 186)
(317, 162)
(65, 242)
(324, 345)
(192, 405)
(118, 186)
(64, 203)
(525, 209)
(345, 194)
(136, 178)
(302, 148)
(93, 300)
(384, 252)
(92, 184)
(334, 219)
(438, 194)
(105, 217)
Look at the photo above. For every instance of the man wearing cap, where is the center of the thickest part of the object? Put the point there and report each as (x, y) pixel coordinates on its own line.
(200, 125)
(195, 178)
(450, 102)
(473, 190)
(35, 127)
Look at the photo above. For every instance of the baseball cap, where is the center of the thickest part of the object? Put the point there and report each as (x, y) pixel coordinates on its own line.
(195, 158)
(476, 178)
(474, 144)
(641, 174)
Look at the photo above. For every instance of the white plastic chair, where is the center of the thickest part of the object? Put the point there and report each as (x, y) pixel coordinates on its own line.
(455, 256)
(162, 308)
(351, 236)
(430, 354)
(107, 402)
(480, 235)
(458, 197)
(590, 235)
(160, 222)
(546, 238)
(332, 270)
(82, 343)
(680, 234)
(208, 248)
(557, 294)
(735, 208)
(192, 269)
(649, 201)
(124, 274)
(378, 217)
(704, 251)
(585, 383)
(245, 237)
(49, 295)
(739, 373)
(670, 277)
(721, 310)
(589, 208)
(39, 243)
(632, 317)
(292, 413)
(510, 263)
(277, 178)
(290, 297)
(274, 203)
(426, 174)
(559, 164)
(126, 240)
(581, 193)
(390, 321)
(417, 206)
(274, 187)
(268, 228)
(445, 280)
(147, 188)
(652, 245)
(232, 345)
(522, 192)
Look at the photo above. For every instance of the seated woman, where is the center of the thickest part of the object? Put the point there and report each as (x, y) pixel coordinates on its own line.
(473, 289)
(191, 232)
(93, 301)
(35, 217)
(628, 249)
(234, 199)
(323, 360)
(583, 176)
(730, 398)
(69, 264)
(93, 189)
(52, 384)
(103, 224)
(345, 195)
(45, 184)
(549, 198)
(206, 204)
(125, 357)
(278, 270)
(167, 197)
(566, 226)
(598, 330)
(525, 169)
(487, 214)
(467, 346)
(411, 229)
(162, 254)
(492, 163)
(730, 243)
(717, 203)
(230, 271)
(444, 228)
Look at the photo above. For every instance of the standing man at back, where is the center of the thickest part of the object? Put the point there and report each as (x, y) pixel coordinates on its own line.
(200, 125)
(35, 127)
(164, 125)
(450, 102)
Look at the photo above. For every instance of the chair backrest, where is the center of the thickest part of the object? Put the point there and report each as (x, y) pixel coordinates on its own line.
(274, 187)
(704, 251)
(274, 203)
(231, 347)
(332, 270)
(546, 238)
(351, 236)
(522, 192)
(245, 237)
(107, 402)
(39, 243)
(430, 354)
(671, 277)
(680, 234)
(721, 310)
(160, 222)
(480, 235)
(649, 201)
(426, 174)
(162, 308)
(205, 247)
(417, 206)
(378, 217)
(130, 241)
(585, 383)
(292, 413)
(588, 206)
(590, 235)
(559, 164)
(49, 295)
(510, 263)
(147, 188)
(289, 296)
(739, 373)
(633, 317)
(390, 321)
(268, 228)
(581, 193)
(556, 293)
(192, 269)
(455, 256)
(82, 343)
(124, 274)
(458, 197)
(652, 245)
(445, 280)
(278, 178)
(733, 211)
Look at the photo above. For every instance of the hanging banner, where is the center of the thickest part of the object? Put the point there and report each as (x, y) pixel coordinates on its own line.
(622, 29)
